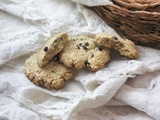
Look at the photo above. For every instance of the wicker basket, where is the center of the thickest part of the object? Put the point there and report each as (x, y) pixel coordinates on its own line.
(138, 21)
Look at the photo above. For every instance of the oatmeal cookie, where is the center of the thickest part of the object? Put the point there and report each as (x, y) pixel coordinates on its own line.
(124, 46)
(83, 51)
(51, 48)
(52, 76)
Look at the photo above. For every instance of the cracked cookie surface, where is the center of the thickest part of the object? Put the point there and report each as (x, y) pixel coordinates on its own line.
(51, 48)
(124, 46)
(83, 51)
(52, 76)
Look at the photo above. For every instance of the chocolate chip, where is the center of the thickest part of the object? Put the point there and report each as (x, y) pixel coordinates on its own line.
(86, 44)
(92, 55)
(86, 63)
(100, 48)
(45, 49)
(56, 57)
(85, 48)
(52, 71)
(78, 47)
(114, 38)
(80, 44)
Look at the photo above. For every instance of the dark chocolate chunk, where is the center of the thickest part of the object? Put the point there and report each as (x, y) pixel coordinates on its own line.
(80, 44)
(86, 63)
(52, 71)
(85, 48)
(45, 49)
(100, 48)
(77, 47)
(114, 38)
(86, 44)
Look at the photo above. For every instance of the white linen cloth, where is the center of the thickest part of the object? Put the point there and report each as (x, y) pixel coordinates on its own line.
(124, 89)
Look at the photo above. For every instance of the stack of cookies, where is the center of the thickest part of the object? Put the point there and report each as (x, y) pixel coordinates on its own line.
(56, 62)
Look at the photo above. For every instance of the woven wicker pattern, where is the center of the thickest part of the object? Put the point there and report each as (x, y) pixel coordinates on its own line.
(138, 20)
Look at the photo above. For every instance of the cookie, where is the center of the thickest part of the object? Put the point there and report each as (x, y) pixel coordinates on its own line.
(124, 46)
(52, 76)
(82, 51)
(51, 48)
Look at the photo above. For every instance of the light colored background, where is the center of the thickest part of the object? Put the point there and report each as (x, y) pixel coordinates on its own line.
(124, 90)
